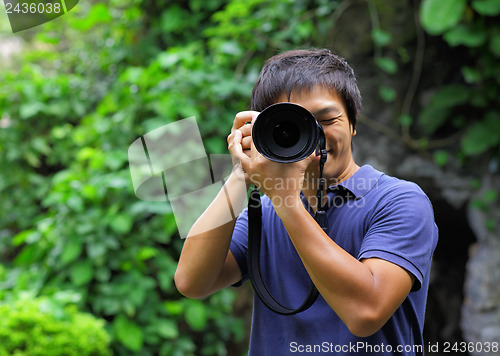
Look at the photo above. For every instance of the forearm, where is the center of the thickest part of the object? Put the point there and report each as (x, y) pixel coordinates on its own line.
(206, 248)
(347, 285)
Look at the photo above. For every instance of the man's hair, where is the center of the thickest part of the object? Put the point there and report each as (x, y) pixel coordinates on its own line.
(303, 70)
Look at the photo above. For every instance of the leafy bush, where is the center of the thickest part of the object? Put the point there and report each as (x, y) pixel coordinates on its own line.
(39, 327)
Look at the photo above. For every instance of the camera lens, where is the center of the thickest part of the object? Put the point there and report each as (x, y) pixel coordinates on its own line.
(286, 132)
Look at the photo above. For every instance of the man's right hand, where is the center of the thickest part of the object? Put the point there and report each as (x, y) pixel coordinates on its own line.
(242, 122)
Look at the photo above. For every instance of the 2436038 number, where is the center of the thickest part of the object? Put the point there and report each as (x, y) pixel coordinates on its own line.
(463, 346)
(31, 8)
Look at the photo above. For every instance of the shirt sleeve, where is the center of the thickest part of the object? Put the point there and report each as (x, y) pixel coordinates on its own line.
(239, 245)
(402, 231)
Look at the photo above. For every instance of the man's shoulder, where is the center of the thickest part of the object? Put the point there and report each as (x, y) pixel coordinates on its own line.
(392, 185)
(392, 191)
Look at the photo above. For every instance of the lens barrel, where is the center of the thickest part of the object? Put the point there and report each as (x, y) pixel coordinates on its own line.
(286, 133)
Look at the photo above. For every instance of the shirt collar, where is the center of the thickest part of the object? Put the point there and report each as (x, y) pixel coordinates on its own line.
(361, 182)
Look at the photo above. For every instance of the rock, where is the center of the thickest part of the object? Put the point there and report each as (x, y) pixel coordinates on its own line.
(480, 320)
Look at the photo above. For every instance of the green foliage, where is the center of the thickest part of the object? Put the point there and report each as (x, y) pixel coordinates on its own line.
(441, 15)
(86, 86)
(482, 135)
(381, 38)
(387, 64)
(38, 327)
(470, 104)
(433, 116)
(487, 7)
(458, 118)
(487, 202)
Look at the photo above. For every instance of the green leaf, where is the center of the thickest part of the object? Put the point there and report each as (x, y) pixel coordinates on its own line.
(438, 110)
(487, 7)
(32, 159)
(173, 307)
(167, 328)
(41, 146)
(96, 249)
(387, 64)
(26, 236)
(441, 158)
(196, 315)
(465, 35)
(71, 250)
(482, 135)
(232, 48)
(450, 96)
(491, 224)
(26, 256)
(405, 120)
(146, 253)
(387, 94)
(30, 109)
(495, 42)
(128, 333)
(437, 16)
(174, 19)
(471, 75)
(75, 203)
(479, 204)
(121, 223)
(380, 37)
(490, 196)
(90, 192)
(82, 273)
(98, 14)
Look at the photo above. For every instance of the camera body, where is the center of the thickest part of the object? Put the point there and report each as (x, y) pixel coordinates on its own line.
(286, 133)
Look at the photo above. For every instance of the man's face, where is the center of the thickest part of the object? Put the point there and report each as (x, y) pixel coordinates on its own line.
(330, 112)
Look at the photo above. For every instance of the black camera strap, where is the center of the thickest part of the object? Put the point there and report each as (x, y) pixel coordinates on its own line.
(255, 236)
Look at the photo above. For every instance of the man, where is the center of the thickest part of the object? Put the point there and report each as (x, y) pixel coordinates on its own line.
(371, 269)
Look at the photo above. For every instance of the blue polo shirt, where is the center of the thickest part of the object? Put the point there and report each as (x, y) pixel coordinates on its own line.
(370, 215)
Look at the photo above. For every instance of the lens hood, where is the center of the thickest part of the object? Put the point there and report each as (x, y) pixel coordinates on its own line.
(286, 132)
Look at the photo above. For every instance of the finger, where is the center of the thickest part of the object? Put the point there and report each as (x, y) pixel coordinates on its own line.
(246, 130)
(243, 117)
(237, 149)
(246, 142)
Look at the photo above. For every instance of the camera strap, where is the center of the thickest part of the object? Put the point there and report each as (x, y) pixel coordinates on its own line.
(254, 244)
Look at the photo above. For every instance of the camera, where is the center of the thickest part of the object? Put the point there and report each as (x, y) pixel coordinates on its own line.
(286, 133)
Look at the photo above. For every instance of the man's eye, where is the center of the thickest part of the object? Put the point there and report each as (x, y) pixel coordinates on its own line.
(326, 122)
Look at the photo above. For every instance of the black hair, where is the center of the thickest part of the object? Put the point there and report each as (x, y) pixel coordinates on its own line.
(303, 70)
